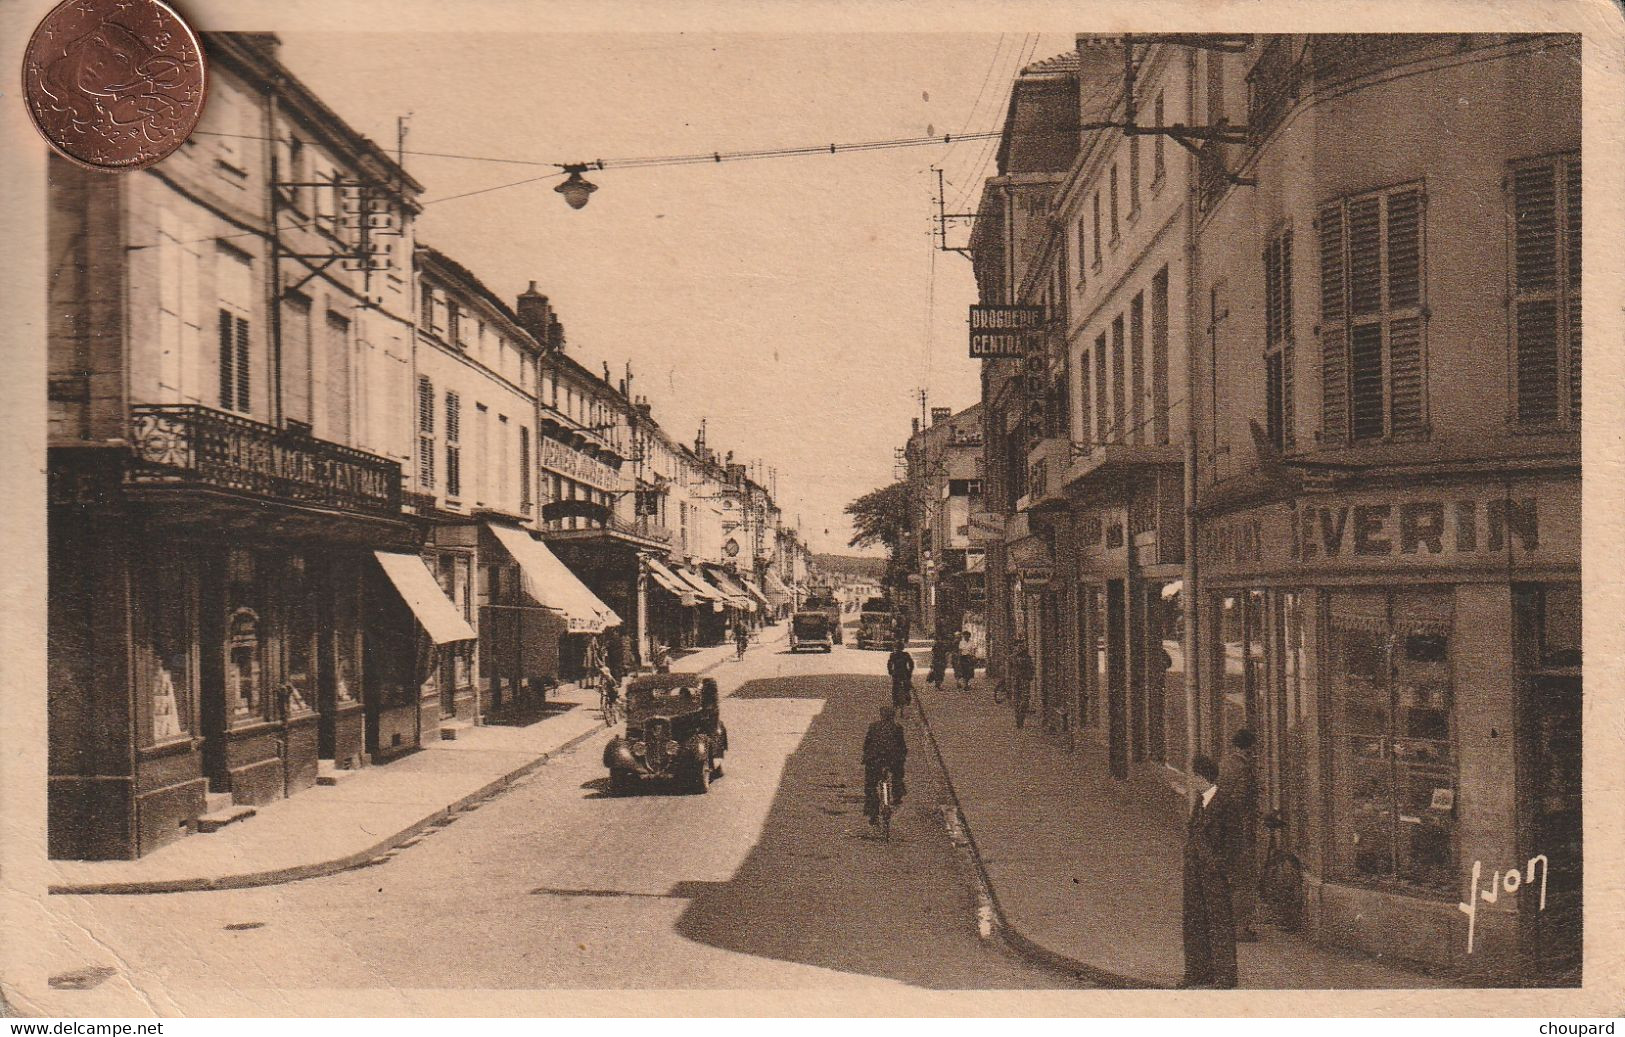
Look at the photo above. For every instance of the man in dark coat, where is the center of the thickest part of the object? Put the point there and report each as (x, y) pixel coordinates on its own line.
(901, 667)
(1238, 801)
(1021, 680)
(1209, 932)
(883, 749)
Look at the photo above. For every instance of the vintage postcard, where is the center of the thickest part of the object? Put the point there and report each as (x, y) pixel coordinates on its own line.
(537, 509)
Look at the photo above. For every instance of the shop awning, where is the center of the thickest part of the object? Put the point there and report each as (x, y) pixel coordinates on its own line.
(435, 613)
(736, 594)
(551, 583)
(755, 591)
(670, 580)
(701, 585)
(776, 587)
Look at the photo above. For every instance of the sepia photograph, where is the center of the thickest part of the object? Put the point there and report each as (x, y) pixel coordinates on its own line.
(852, 513)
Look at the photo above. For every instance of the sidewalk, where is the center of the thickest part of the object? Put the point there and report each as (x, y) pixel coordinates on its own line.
(1087, 876)
(330, 828)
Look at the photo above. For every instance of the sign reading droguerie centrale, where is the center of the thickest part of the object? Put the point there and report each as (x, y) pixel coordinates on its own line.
(1003, 331)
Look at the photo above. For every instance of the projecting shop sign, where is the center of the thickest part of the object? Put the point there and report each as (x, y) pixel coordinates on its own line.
(1003, 331)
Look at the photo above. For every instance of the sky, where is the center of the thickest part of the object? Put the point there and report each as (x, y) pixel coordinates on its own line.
(797, 305)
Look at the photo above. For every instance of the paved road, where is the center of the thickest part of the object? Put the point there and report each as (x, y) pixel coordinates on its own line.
(773, 879)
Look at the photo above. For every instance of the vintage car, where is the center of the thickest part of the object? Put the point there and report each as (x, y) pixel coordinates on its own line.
(811, 630)
(674, 729)
(876, 630)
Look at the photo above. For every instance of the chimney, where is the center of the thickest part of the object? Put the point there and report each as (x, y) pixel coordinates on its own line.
(941, 414)
(915, 422)
(535, 315)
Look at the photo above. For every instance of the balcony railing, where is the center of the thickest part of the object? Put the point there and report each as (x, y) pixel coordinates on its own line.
(198, 447)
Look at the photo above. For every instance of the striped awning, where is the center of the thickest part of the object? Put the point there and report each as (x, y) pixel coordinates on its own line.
(551, 583)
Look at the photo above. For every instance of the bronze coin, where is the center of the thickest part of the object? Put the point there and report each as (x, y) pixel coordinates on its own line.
(114, 84)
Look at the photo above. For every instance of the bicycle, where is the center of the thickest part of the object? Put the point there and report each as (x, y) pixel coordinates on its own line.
(608, 699)
(1280, 882)
(883, 796)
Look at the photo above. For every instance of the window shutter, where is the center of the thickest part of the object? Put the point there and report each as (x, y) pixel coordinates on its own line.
(242, 365)
(1365, 362)
(1284, 325)
(1273, 387)
(1365, 256)
(425, 432)
(1572, 203)
(1333, 336)
(1405, 373)
(1086, 424)
(228, 363)
(1404, 249)
(1534, 200)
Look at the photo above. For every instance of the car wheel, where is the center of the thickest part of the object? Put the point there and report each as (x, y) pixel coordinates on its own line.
(621, 782)
(700, 783)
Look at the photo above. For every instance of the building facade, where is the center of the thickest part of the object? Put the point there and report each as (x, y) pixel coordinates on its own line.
(1306, 413)
(945, 490)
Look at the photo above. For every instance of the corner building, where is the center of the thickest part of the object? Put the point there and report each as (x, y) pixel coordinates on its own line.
(1385, 368)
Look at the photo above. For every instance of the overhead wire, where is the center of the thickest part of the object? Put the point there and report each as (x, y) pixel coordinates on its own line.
(1029, 45)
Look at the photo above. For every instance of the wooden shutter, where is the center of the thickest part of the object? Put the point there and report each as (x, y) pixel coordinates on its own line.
(425, 432)
(1534, 194)
(1572, 282)
(1365, 381)
(1333, 333)
(1086, 424)
(1284, 322)
(228, 363)
(454, 459)
(1406, 381)
(241, 337)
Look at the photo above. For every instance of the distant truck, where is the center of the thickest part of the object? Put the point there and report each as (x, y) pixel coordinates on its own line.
(821, 598)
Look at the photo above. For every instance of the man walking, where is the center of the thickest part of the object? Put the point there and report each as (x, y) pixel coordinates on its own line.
(965, 660)
(1021, 680)
(1238, 778)
(901, 667)
(1209, 930)
(941, 648)
(883, 749)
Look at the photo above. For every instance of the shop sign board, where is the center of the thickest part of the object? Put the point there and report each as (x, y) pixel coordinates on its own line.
(985, 527)
(1410, 527)
(1003, 331)
(557, 457)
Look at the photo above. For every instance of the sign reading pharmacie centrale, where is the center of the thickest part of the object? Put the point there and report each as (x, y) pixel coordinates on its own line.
(1003, 331)
(1471, 527)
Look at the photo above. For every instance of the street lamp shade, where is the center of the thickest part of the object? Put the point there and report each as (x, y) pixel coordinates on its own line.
(576, 190)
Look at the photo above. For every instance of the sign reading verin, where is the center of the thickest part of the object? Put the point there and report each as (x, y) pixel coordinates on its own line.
(1003, 331)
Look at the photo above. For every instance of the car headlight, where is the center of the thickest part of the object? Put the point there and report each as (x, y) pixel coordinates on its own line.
(637, 748)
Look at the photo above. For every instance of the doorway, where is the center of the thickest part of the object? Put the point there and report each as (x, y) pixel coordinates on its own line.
(1117, 717)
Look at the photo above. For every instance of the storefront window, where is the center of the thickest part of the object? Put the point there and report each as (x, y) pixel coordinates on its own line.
(1165, 673)
(165, 649)
(1391, 729)
(1231, 660)
(245, 693)
(1091, 655)
(346, 631)
(298, 689)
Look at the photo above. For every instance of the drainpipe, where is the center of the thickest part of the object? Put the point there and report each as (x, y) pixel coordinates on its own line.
(1191, 645)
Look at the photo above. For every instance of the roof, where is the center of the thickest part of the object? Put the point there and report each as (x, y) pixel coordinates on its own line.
(1062, 63)
(459, 272)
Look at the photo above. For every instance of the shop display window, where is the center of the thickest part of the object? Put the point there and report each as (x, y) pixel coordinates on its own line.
(297, 692)
(164, 651)
(346, 632)
(1391, 731)
(245, 664)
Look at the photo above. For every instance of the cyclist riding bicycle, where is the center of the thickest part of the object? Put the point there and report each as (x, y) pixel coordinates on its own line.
(741, 639)
(884, 749)
(901, 667)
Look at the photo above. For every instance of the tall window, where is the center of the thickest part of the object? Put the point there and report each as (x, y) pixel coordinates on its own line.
(1083, 254)
(1103, 417)
(1159, 355)
(482, 453)
(427, 307)
(426, 433)
(1278, 339)
(1133, 175)
(1158, 157)
(454, 447)
(1114, 203)
(1136, 338)
(499, 489)
(524, 469)
(1097, 228)
(1118, 395)
(337, 426)
(1546, 291)
(1372, 348)
(454, 324)
(1086, 417)
(234, 383)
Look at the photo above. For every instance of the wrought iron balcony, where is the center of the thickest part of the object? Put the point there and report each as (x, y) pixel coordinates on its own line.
(194, 447)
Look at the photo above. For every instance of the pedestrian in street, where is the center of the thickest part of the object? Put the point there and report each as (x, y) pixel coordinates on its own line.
(965, 660)
(900, 625)
(1021, 676)
(1209, 929)
(593, 662)
(741, 639)
(941, 648)
(884, 748)
(1238, 780)
(901, 667)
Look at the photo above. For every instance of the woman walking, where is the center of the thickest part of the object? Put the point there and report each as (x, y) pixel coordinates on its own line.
(965, 661)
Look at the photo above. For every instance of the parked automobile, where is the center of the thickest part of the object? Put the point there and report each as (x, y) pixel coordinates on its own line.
(811, 630)
(674, 730)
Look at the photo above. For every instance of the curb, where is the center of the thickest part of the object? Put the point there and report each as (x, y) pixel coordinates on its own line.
(318, 869)
(1013, 937)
